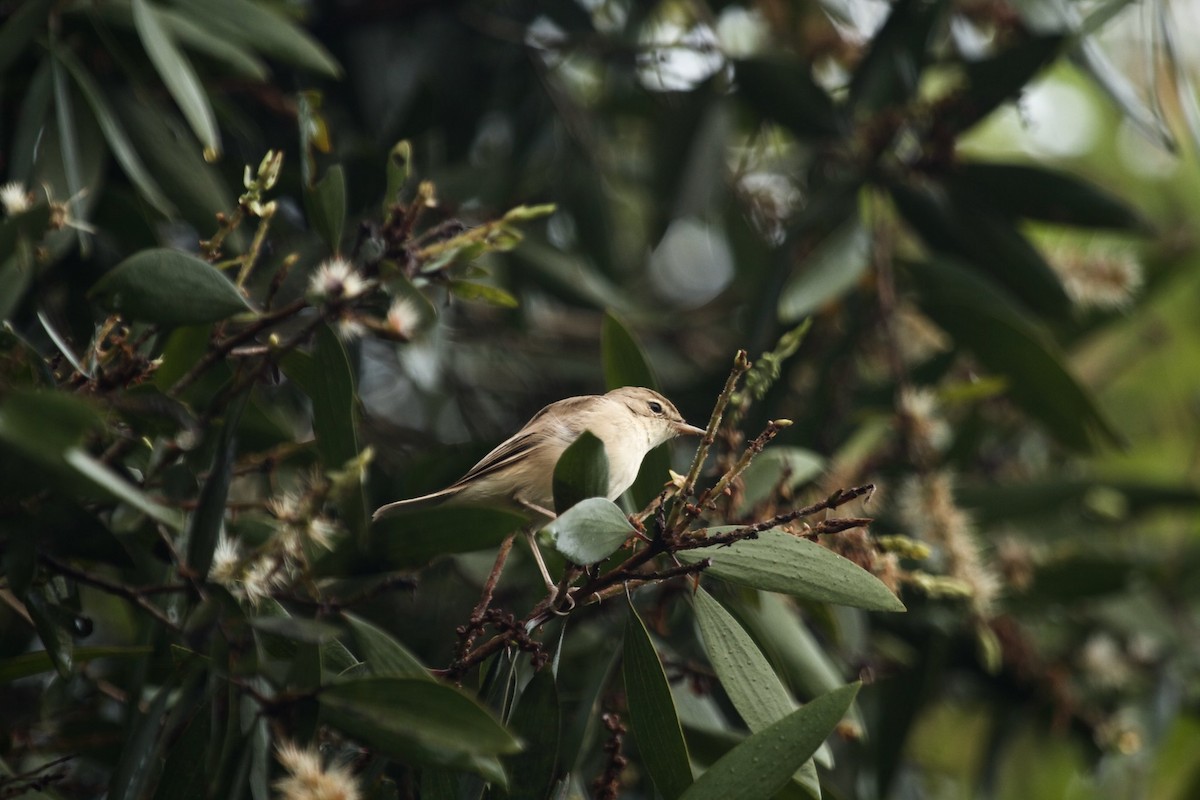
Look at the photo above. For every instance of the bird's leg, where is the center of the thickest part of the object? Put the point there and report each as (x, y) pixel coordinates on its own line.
(534, 507)
(530, 532)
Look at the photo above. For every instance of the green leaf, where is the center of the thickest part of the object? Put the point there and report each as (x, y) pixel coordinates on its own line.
(185, 774)
(783, 90)
(202, 39)
(40, 661)
(399, 170)
(172, 154)
(1032, 192)
(114, 133)
(1007, 342)
(103, 477)
(761, 765)
(482, 293)
(297, 629)
(68, 134)
(779, 562)
(625, 364)
(581, 472)
(786, 641)
(652, 713)
(415, 537)
(29, 226)
(830, 271)
(420, 722)
(384, 656)
(752, 685)
(536, 720)
(991, 81)
(954, 225)
(747, 677)
(205, 526)
(889, 73)
(326, 203)
(138, 750)
(788, 466)
(20, 29)
(54, 635)
(177, 75)
(328, 379)
(590, 531)
(169, 287)
(265, 30)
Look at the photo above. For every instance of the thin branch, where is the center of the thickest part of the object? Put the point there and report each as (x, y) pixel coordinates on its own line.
(138, 597)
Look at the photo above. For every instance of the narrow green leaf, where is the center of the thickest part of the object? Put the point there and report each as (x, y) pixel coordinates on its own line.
(118, 141)
(177, 75)
(890, 71)
(979, 316)
(786, 641)
(779, 562)
(265, 30)
(952, 224)
(1033, 192)
(753, 687)
(993, 80)
(68, 142)
(174, 156)
(297, 629)
(54, 635)
(590, 531)
(536, 720)
(776, 466)
(137, 759)
(420, 722)
(399, 170)
(326, 203)
(783, 90)
(185, 774)
(168, 287)
(202, 39)
(747, 677)
(414, 538)
(103, 477)
(205, 526)
(39, 661)
(31, 122)
(652, 714)
(836, 265)
(625, 364)
(761, 765)
(384, 656)
(20, 29)
(29, 226)
(482, 293)
(581, 472)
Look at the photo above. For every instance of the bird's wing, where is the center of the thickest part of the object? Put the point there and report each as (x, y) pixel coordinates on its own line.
(505, 454)
(524, 440)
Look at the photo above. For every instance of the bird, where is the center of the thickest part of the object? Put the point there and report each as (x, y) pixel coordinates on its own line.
(630, 422)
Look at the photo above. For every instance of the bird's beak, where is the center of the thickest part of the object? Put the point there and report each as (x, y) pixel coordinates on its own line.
(683, 427)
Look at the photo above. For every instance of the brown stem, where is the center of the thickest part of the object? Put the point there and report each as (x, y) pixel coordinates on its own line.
(134, 595)
(475, 621)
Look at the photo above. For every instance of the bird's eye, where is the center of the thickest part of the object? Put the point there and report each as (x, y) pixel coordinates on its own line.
(656, 407)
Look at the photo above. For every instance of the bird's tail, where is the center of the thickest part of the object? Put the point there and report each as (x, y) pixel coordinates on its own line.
(424, 501)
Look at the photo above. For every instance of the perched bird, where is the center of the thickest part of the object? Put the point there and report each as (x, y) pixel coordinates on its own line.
(630, 421)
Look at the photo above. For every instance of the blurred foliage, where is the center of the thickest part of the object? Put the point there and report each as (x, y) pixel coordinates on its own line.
(265, 266)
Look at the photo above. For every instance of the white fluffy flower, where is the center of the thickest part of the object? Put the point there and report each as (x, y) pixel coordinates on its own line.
(403, 317)
(336, 279)
(307, 779)
(15, 198)
(227, 559)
